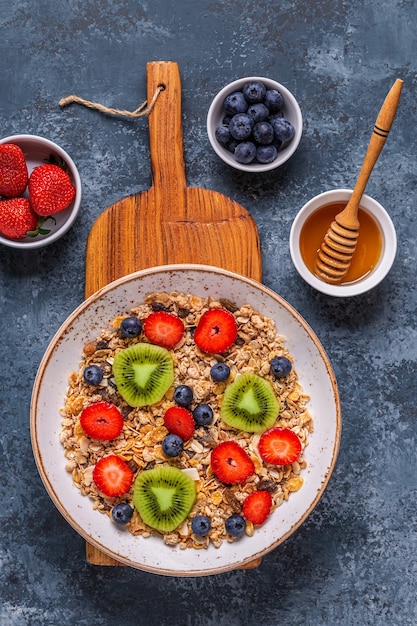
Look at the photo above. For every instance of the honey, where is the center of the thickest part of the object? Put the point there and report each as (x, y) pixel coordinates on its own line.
(368, 248)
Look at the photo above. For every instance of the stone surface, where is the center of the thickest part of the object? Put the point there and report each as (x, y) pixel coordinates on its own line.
(353, 562)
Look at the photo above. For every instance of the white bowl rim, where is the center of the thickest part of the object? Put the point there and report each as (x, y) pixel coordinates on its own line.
(332, 449)
(377, 211)
(284, 154)
(48, 239)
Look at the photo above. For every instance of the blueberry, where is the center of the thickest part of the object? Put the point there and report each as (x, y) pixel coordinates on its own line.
(130, 327)
(122, 513)
(203, 414)
(235, 525)
(172, 445)
(222, 134)
(281, 366)
(275, 116)
(241, 126)
(200, 525)
(220, 372)
(274, 100)
(263, 133)
(93, 375)
(235, 103)
(245, 152)
(259, 112)
(254, 91)
(232, 145)
(283, 129)
(277, 143)
(183, 395)
(266, 154)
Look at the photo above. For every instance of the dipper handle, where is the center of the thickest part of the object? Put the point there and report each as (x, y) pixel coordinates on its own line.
(348, 217)
(336, 252)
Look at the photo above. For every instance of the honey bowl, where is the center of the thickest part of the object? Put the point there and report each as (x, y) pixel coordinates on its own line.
(375, 250)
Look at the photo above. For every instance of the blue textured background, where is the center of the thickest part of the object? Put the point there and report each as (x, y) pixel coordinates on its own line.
(354, 560)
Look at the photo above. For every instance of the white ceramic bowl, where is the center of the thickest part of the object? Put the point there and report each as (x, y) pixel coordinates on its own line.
(291, 111)
(389, 244)
(63, 356)
(36, 150)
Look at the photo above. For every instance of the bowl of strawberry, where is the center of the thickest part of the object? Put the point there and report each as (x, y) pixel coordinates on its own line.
(40, 191)
(254, 124)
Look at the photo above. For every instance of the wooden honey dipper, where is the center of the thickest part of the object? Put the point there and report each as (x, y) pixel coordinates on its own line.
(339, 243)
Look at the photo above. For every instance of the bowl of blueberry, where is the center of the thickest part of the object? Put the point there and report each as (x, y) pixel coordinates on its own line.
(254, 124)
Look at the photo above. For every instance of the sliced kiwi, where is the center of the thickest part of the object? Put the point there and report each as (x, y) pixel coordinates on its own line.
(163, 497)
(143, 373)
(250, 404)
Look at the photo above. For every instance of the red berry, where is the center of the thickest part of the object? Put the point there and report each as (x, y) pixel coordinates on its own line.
(102, 420)
(179, 421)
(50, 189)
(216, 331)
(112, 476)
(257, 506)
(231, 463)
(17, 220)
(163, 329)
(13, 171)
(279, 446)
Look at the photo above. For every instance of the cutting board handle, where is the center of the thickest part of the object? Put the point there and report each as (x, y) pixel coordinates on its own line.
(165, 134)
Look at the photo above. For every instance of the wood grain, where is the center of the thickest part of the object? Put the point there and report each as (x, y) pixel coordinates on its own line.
(336, 252)
(170, 222)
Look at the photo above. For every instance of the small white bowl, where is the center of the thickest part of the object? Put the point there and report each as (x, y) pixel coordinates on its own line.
(291, 111)
(388, 252)
(37, 150)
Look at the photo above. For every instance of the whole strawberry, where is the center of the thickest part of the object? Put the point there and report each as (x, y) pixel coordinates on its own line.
(13, 171)
(17, 220)
(50, 189)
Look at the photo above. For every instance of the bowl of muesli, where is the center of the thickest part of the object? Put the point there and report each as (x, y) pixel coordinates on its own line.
(185, 420)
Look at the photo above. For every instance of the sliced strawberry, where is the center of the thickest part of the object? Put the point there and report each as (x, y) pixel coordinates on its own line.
(216, 331)
(179, 421)
(13, 171)
(279, 446)
(163, 329)
(112, 476)
(101, 420)
(257, 507)
(231, 463)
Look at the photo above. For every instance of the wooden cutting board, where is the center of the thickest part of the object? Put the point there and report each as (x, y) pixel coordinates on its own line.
(170, 222)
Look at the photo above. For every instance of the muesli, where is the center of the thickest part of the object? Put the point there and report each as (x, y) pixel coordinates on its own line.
(218, 510)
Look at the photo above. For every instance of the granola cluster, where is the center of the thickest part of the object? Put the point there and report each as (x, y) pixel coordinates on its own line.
(139, 444)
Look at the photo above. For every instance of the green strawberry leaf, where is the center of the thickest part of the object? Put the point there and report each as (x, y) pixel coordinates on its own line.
(39, 230)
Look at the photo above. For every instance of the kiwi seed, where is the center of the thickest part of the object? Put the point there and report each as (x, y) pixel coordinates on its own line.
(143, 373)
(250, 404)
(163, 497)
